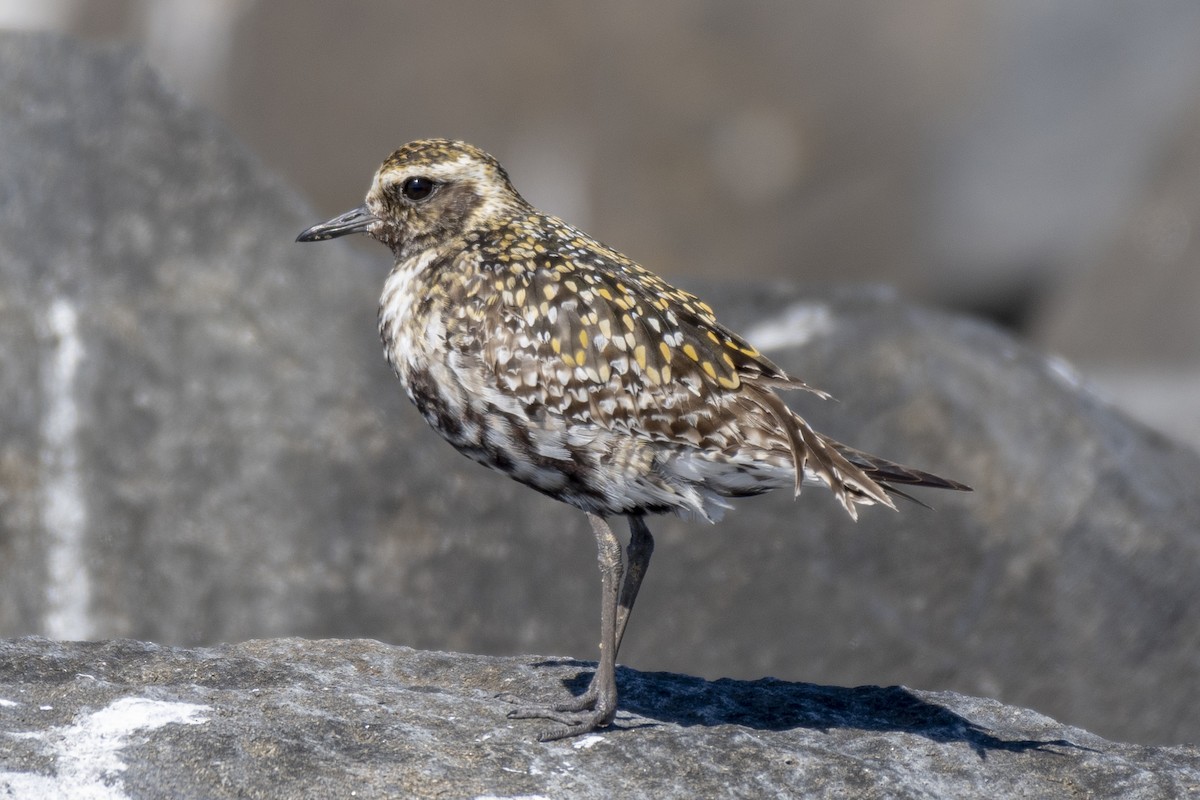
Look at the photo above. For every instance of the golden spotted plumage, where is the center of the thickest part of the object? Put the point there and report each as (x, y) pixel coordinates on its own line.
(540, 352)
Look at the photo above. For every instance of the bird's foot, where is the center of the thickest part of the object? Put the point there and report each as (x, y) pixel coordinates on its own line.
(570, 723)
(579, 715)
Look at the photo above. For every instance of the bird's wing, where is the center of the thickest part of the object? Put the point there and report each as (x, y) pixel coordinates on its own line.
(598, 340)
(604, 341)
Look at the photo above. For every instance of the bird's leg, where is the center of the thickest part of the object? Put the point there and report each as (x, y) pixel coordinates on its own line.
(637, 561)
(598, 705)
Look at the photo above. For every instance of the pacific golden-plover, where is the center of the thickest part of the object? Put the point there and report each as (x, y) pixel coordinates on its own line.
(538, 351)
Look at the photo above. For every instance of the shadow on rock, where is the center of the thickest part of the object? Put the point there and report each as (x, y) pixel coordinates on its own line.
(770, 704)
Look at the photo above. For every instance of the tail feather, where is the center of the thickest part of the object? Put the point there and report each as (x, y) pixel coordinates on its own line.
(854, 476)
(886, 473)
(819, 455)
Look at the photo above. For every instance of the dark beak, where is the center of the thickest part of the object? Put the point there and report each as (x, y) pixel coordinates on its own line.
(357, 221)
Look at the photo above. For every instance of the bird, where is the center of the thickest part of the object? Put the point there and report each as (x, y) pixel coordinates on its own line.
(540, 352)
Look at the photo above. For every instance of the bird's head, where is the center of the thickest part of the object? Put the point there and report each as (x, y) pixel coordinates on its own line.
(424, 193)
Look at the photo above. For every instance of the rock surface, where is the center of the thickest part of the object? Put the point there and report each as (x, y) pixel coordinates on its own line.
(296, 718)
(200, 442)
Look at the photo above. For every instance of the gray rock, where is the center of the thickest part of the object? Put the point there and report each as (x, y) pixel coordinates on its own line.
(1063, 583)
(200, 442)
(297, 718)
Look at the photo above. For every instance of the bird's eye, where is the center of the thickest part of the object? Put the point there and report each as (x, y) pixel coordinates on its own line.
(418, 189)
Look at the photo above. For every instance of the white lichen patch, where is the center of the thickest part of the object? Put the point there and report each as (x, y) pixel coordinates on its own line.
(87, 753)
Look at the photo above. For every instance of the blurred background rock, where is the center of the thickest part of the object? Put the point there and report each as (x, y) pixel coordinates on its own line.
(200, 440)
(1035, 161)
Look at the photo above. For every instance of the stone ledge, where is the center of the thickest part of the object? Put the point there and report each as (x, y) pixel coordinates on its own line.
(299, 718)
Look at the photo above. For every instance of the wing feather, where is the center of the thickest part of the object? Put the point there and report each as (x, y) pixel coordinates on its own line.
(577, 331)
